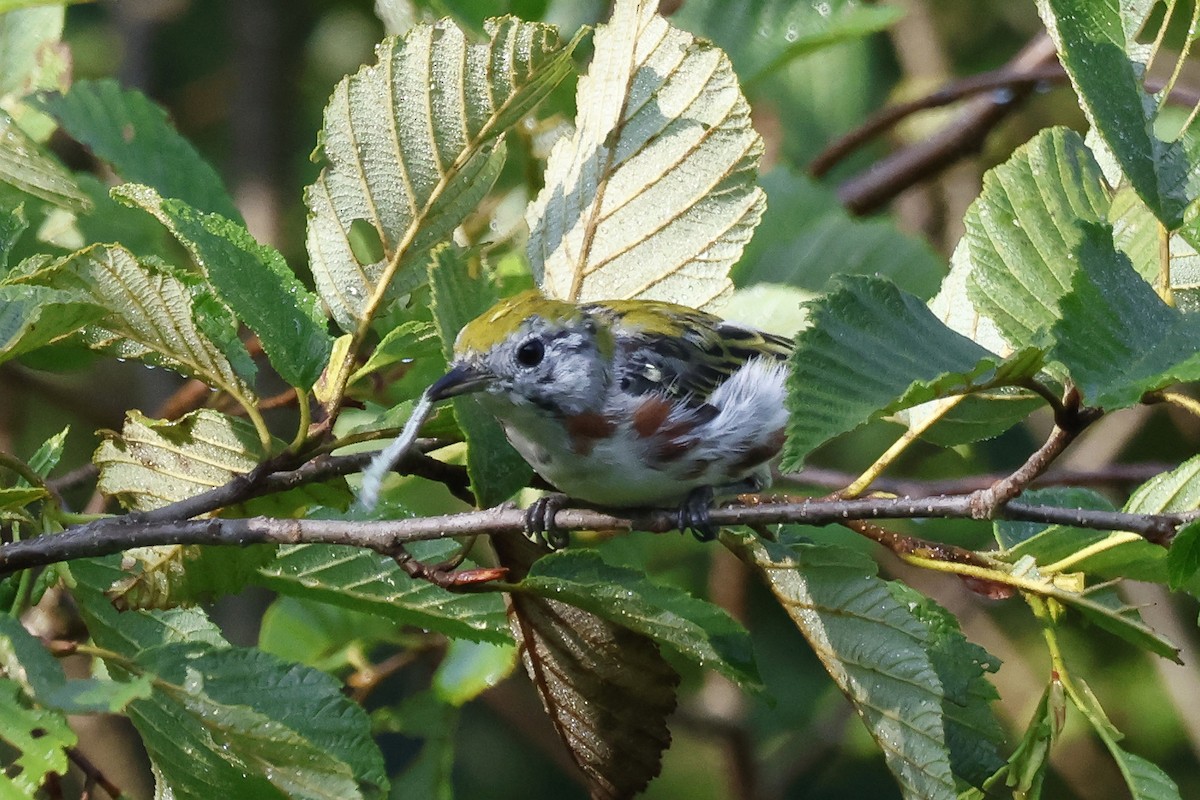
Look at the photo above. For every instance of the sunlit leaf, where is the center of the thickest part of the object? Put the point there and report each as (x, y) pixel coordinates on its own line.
(654, 195)
(1105, 62)
(23, 164)
(412, 145)
(31, 54)
(252, 279)
(155, 315)
(40, 737)
(34, 316)
(153, 463)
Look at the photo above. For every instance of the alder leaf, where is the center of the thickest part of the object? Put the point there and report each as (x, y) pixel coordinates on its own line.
(413, 144)
(654, 195)
(25, 166)
(874, 649)
(607, 689)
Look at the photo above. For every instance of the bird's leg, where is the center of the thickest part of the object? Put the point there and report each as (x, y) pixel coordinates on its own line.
(694, 510)
(539, 521)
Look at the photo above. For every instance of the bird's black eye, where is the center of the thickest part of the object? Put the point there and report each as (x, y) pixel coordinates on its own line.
(530, 353)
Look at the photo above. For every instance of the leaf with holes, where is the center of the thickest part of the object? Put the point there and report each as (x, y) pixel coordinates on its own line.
(40, 737)
(413, 144)
(654, 195)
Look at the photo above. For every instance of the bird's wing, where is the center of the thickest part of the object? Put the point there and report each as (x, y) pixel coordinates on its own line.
(679, 351)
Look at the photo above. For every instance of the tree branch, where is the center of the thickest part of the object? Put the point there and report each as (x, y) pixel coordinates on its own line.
(118, 534)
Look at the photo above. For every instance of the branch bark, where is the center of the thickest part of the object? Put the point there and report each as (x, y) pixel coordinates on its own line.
(115, 535)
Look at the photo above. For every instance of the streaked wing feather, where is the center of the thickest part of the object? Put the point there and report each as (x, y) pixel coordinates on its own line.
(679, 351)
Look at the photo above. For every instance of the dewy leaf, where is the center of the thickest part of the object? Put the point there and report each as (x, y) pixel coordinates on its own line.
(873, 648)
(654, 195)
(697, 630)
(129, 131)
(763, 35)
(153, 463)
(253, 280)
(1183, 558)
(154, 315)
(41, 739)
(413, 145)
(25, 166)
(608, 690)
(1023, 233)
(495, 468)
(34, 316)
(365, 581)
(873, 349)
(23, 659)
(1145, 780)
(12, 224)
(973, 734)
(285, 724)
(1106, 65)
(1177, 490)
(1117, 338)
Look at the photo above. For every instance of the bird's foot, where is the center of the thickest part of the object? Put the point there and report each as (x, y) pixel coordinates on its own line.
(539, 521)
(693, 514)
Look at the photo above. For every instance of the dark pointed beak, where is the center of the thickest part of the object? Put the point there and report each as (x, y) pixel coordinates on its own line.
(461, 379)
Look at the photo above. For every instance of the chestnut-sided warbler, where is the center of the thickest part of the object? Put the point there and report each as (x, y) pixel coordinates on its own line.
(629, 402)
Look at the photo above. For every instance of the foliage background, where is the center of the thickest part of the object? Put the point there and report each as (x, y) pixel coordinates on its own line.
(246, 82)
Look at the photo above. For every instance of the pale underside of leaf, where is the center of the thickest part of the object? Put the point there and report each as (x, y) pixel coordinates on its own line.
(412, 148)
(654, 195)
(152, 314)
(25, 166)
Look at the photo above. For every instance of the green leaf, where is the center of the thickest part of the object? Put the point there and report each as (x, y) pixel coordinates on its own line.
(129, 131)
(321, 635)
(46, 457)
(12, 224)
(1097, 46)
(24, 165)
(153, 463)
(875, 650)
(497, 471)
(31, 53)
(366, 581)
(24, 660)
(1023, 233)
(130, 632)
(697, 630)
(167, 576)
(1027, 765)
(471, 668)
(763, 35)
(155, 315)
(413, 146)
(287, 723)
(252, 279)
(1117, 338)
(1183, 559)
(973, 734)
(19, 497)
(872, 349)
(1144, 779)
(41, 739)
(1106, 554)
(805, 232)
(34, 316)
(414, 342)
(654, 194)
(1177, 490)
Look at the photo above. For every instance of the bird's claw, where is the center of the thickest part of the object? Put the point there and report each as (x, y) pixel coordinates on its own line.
(693, 514)
(539, 521)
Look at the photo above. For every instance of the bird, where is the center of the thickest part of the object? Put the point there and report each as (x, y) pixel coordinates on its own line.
(627, 403)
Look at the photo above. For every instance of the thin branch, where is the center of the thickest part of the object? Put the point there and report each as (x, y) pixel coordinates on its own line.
(92, 773)
(895, 173)
(115, 535)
